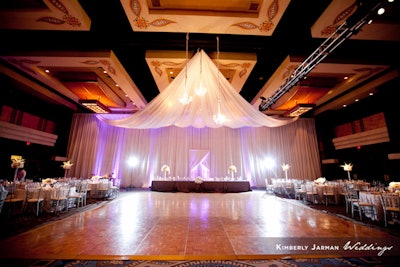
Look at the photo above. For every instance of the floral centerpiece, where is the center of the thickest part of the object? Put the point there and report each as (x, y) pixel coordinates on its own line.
(232, 170)
(17, 163)
(165, 169)
(48, 182)
(66, 166)
(320, 180)
(348, 167)
(394, 186)
(96, 178)
(285, 168)
(198, 180)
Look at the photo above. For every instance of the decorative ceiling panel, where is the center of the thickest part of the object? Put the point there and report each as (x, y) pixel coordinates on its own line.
(165, 65)
(327, 81)
(206, 16)
(94, 76)
(385, 27)
(49, 15)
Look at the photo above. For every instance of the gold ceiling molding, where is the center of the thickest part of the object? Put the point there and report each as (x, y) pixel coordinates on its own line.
(356, 73)
(229, 17)
(157, 65)
(336, 14)
(51, 15)
(76, 67)
(166, 65)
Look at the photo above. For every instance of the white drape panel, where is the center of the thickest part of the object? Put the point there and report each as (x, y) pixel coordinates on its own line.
(97, 148)
(166, 110)
(199, 163)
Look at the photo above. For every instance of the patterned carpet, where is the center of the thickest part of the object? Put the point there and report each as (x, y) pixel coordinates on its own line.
(317, 262)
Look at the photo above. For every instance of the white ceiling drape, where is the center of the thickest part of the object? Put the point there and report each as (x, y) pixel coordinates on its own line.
(166, 109)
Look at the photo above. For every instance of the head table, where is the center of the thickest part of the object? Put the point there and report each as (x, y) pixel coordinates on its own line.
(201, 186)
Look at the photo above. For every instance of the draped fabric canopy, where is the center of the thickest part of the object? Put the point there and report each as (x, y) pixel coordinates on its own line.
(220, 98)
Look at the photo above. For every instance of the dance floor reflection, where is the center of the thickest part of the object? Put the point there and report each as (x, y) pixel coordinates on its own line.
(152, 225)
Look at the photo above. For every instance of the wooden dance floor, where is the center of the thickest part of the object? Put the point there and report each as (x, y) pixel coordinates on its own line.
(187, 226)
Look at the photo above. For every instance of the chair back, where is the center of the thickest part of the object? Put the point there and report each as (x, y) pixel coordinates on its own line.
(390, 200)
(3, 195)
(83, 187)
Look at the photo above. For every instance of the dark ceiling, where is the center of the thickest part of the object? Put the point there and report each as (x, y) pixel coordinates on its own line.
(110, 30)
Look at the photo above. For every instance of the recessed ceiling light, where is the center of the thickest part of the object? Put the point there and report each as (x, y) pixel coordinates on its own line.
(356, 100)
(345, 77)
(344, 105)
(371, 93)
(381, 11)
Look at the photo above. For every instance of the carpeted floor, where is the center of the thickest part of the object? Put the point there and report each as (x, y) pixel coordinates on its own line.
(340, 211)
(18, 222)
(331, 262)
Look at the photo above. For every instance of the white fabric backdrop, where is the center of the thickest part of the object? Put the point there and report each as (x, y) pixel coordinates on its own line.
(97, 148)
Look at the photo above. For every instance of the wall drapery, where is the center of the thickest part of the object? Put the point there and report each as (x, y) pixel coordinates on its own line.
(98, 148)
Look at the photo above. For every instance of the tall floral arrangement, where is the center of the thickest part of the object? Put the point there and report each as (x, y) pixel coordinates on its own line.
(285, 168)
(17, 163)
(232, 170)
(348, 167)
(165, 169)
(66, 166)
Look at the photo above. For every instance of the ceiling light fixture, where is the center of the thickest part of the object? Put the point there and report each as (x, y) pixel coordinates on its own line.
(299, 110)
(95, 106)
(186, 99)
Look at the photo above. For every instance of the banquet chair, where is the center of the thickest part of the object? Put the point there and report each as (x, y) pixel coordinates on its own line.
(329, 194)
(34, 199)
(75, 198)
(391, 206)
(104, 188)
(114, 189)
(359, 206)
(15, 199)
(83, 191)
(3, 195)
(311, 193)
(59, 198)
(300, 192)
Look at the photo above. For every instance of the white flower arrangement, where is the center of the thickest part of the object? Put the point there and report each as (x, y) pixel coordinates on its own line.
(348, 167)
(320, 180)
(285, 167)
(96, 178)
(394, 186)
(198, 180)
(232, 169)
(165, 168)
(17, 163)
(67, 165)
(48, 181)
